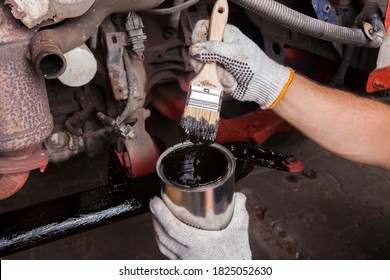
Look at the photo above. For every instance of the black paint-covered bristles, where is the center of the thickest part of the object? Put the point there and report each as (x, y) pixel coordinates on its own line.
(198, 131)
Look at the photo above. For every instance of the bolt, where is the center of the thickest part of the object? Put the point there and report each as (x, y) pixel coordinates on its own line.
(378, 84)
(58, 139)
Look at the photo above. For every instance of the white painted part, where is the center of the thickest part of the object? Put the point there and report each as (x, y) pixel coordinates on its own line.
(383, 59)
(32, 10)
(81, 67)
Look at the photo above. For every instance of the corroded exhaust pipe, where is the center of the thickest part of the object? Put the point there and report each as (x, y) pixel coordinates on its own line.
(48, 46)
(25, 119)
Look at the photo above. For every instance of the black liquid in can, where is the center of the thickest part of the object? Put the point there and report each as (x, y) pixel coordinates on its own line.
(195, 166)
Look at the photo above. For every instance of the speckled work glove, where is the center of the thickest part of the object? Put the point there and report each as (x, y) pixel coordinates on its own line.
(177, 240)
(250, 74)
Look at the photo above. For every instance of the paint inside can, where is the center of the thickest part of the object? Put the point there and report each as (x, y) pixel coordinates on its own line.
(195, 166)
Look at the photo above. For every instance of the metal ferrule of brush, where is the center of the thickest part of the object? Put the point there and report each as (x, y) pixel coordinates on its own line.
(204, 98)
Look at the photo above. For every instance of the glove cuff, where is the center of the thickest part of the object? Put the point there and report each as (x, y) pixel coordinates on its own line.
(270, 90)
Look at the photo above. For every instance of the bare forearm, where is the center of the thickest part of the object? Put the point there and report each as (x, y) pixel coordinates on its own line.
(350, 126)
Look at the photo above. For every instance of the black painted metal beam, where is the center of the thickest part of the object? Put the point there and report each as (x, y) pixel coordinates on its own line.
(50, 220)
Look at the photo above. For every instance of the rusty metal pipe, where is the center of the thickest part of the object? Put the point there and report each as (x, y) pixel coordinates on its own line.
(25, 119)
(48, 46)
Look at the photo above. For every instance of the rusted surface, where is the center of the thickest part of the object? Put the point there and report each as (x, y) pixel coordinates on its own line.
(140, 152)
(76, 31)
(10, 29)
(11, 183)
(33, 12)
(38, 159)
(115, 42)
(50, 60)
(25, 118)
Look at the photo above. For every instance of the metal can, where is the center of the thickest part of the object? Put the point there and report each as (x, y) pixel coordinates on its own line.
(198, 184)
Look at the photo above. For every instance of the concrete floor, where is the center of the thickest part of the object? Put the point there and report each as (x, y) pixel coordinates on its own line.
(333, 210)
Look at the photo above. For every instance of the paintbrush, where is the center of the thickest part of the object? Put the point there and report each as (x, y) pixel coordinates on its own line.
(201, 114)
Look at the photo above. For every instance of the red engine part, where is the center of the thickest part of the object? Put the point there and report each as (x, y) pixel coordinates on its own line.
(379, 78)
(256, 126)
(138, 155)
(14, 171)
(139, 165)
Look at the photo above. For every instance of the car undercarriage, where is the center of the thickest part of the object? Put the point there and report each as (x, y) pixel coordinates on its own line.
(88, 77)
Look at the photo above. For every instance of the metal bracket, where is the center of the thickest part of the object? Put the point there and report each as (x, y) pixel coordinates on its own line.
(115, 42)
(138, 154)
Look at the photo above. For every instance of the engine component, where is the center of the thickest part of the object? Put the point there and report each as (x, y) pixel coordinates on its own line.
(11, 183)
(25, 119)
(115, 42)
(178, 5)
(48, 46)
(369, 11)
(280, 14)
(81, 67)
(125, 71)
(379, 78)
(61, 145)
(325, 11)
(174, 19)
(166, 56)
(137, 37)
(15, 170)
(139, 153)
(33, 12)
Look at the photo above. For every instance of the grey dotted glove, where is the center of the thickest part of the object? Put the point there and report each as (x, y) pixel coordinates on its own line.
(248, 74)
(177, 240)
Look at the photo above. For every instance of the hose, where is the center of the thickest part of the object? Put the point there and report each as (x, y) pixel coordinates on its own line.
(287, 17)
(48, 46)
(371, 11)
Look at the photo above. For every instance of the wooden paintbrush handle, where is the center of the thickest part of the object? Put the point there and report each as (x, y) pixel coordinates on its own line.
(218, 20)
(207, 76)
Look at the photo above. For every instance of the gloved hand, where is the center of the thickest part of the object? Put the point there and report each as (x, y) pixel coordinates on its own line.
(177, 240)
(248, 74)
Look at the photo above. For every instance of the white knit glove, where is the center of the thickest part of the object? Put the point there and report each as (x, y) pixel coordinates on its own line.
(250, 75)
(177, 240)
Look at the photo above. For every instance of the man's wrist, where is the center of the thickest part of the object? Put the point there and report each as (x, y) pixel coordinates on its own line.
(274, 83)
